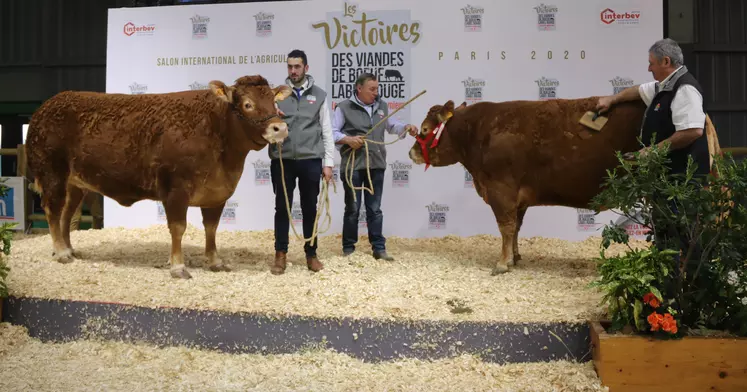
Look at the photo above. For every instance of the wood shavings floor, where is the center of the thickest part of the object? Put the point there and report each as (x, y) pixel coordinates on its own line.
(26, 364)
(127, 265)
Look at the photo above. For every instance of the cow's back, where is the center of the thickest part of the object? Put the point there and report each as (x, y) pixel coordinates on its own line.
(119, 144)
(542, 147)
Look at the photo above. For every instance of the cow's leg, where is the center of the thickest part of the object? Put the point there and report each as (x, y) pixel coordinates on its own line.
(73, 204)
(54, 194)
(505, 210)
(211, 219)
(519, 220)
(176, 215)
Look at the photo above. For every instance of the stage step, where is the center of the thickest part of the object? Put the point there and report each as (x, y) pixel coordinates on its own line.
(368, 339)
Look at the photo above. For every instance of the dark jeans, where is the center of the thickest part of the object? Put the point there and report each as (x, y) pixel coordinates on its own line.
(309, 174)
(374, 216)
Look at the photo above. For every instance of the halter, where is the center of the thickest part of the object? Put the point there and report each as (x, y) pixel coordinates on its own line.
(241, 115)
(252, 120)
(432, 138)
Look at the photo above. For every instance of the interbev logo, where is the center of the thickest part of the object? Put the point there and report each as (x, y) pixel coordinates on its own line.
(137, 89)
(610, 17)
(437, 216)
(229, 212)
(199, 26)
(198, 86)
(400, 174)
(264, 23)
(261, 172)
(473, 17)
(473, 89)
(131, 29)
(620, 83)
(469, 181)
(548, 88)
(546, 17)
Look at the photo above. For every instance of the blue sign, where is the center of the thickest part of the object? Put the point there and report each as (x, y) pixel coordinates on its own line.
(6, 205)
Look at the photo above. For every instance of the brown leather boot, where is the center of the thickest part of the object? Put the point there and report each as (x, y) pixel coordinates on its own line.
(279, 267)
(314, 264)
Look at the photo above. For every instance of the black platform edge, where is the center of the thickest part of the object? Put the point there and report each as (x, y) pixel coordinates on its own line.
(371, 340)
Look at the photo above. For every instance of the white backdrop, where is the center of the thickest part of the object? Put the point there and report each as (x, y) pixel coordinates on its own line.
(493, 50)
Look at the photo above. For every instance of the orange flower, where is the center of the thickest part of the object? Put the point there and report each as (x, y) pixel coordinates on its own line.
(651, 300)
(669, 324)
(655, 320)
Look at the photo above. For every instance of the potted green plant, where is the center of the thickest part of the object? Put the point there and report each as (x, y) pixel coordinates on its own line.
(679, 305)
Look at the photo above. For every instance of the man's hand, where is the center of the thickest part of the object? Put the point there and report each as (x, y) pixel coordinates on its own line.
(327, 173)
(355, 142)
(280, 112)
(605, 103)
(413, 130)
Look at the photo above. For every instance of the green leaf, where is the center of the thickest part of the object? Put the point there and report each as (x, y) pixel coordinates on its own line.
(657, 293)
(637, 310)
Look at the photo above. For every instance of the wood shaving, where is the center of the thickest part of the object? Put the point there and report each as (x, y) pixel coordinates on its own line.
(129, 266)
(26, 364)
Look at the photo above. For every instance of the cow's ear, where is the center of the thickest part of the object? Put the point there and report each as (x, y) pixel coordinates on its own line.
(462, 106)
(221, 91)
(281, 92)
(446, 112)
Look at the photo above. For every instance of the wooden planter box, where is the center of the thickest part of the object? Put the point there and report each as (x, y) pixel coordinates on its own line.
(639, 363)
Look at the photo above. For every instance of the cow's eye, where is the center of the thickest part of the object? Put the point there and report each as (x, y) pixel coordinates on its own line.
(247, 106)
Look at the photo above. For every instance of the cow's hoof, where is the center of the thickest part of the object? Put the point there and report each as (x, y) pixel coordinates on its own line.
(499, 269)
(64, 257)
(220, 267)
(277, 270)
(180, 272)
(517, 258)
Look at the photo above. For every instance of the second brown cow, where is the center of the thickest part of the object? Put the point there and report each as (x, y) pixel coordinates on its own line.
(528, 153)
(184, 149)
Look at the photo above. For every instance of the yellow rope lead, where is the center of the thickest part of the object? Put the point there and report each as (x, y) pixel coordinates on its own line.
(324, 196)
(351, 159)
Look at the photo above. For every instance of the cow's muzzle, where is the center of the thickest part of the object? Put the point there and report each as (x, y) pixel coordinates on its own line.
(276, 132)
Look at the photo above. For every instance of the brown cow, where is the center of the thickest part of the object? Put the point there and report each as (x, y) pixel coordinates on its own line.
(528, 153)
(184, 149)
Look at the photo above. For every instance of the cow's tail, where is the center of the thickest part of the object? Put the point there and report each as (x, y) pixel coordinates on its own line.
(34, 186)
(714, 148)
(33, 182)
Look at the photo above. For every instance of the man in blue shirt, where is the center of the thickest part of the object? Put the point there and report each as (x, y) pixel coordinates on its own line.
(351, 121)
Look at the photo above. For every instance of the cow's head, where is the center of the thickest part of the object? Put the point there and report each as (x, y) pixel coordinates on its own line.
(256, 104)
(432, 145)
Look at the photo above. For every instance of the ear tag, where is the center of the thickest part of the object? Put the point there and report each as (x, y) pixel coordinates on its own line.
(220, 92)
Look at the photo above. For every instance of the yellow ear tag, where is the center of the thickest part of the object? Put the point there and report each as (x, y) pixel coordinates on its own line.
(220, 91)
(448, 116)
(278, 96)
